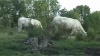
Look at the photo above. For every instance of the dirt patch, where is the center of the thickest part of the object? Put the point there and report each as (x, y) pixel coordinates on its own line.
(93, 51)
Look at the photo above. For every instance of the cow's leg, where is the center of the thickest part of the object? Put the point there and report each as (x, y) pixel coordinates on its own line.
(19, 28)
(56, 28)
(71, 33)
(67, 35)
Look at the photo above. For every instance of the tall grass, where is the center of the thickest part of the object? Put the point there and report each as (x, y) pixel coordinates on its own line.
(11, 44)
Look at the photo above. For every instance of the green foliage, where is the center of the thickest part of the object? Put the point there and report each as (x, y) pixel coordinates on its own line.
(43, 9)
(83, 10)
(73, 14)
(10, 11)
(79, 37)
(91, 35)
(97, 38)
(63, 12)
(56, 36)
(93, 26)
(95, 21)
(70, 14)
(34, 31)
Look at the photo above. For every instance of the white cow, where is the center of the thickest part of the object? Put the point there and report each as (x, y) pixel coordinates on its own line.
(24, 22)
(68, 24)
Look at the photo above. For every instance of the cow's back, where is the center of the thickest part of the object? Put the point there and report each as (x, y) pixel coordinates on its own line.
(24, 21)
(36, 23)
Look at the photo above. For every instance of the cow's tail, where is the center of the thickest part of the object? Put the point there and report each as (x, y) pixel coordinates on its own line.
(83, 30)
(41, 27)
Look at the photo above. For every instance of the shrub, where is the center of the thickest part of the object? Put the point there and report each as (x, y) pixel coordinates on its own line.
(33, 31)
(79, 37)
(97, 38)
(90, 35)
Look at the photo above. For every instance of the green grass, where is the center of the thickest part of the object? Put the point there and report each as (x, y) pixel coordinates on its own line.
(75, 47)
(12, 45)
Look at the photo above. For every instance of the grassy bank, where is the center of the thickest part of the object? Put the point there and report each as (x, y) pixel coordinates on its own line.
(12, 45)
